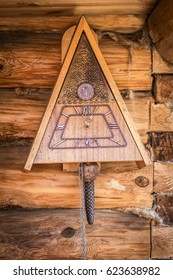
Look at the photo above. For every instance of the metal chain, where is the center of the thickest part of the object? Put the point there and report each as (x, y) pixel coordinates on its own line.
(82, 211)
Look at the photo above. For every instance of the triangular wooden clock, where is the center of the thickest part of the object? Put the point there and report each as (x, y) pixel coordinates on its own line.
(86, 119)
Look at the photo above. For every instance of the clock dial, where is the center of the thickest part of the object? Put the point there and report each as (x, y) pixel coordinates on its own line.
(86, 126)
(85, 91)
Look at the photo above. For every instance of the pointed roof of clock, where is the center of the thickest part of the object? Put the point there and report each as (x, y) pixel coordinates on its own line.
(83, 28)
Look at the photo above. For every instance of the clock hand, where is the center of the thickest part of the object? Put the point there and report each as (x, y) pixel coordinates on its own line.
(87, 117)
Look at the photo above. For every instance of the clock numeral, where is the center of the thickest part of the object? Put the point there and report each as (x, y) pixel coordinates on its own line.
(86, 110)
(117, 142)
(87, 142)
(76, 110)
(96, 142)
(95, 110)
(78, 142)
(113, 125)
(65, 115)
(58, 144)
(60, 126)
(107, 113)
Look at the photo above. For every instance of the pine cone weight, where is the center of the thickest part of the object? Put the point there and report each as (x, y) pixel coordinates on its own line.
(89, 201)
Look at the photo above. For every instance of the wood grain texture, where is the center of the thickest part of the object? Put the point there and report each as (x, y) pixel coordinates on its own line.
(163, 179)
(39, 235)
(37, 56)
(161, 145)
(164, 208)
(160, 23)
(138, 70)
(162, 242)
(163, 88)
(47, 186)
(161, 118)
(21, 110)
(125, 23)
(160, 66)
(76, 7)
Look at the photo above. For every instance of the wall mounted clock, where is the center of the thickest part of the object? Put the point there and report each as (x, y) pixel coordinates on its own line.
(86, 119)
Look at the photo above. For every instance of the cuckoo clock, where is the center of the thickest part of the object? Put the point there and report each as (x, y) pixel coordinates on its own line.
(86, 120)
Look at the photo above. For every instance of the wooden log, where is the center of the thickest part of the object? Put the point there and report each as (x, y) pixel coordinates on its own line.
(140, 102)
(18, 154)
(164, 208)
(163, 88)
(161, 118)
(161, 145)
(163, 179)
(160, 23)
(33, 59)
(162, 242)
(56, 234)
(60, 23)
(76, 7)
(159, 65)
(21, 110)
(47, 186)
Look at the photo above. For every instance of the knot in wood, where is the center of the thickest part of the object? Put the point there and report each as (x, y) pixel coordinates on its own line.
(141, 181)
(91, 171)
(68, 232)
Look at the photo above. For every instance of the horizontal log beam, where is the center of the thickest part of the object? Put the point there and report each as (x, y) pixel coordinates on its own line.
(21, 110)
(47, 186)
(76, 7)
(56, 234)
(34, 60)
(60, 23)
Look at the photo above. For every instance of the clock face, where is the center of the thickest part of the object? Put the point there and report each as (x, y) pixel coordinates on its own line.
(86, 126)
(85, 91)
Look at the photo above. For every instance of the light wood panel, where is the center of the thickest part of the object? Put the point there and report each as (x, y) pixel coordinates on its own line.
(47, 186)
(161, 118)
(45, 234)
(162, 242)
(38, 57)
(61, 149)
(125, 23)
(163, 179)
(76, 7)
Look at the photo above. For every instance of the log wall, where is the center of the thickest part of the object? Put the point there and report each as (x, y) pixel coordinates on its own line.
(39, 211)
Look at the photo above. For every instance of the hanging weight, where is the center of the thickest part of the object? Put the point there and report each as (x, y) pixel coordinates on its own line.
(90, 172)
(89, 201)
